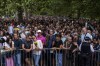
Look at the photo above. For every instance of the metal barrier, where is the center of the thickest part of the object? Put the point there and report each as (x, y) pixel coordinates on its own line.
(48, 57)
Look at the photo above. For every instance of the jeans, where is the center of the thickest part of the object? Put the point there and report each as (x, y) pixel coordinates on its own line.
(58, 59)
(2, 60)
(17, 59)
(36, 59)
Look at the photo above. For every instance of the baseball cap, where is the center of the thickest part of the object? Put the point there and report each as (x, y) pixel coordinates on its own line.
(39, 31)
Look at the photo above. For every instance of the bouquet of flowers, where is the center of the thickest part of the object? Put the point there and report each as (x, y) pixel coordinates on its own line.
(35, 44)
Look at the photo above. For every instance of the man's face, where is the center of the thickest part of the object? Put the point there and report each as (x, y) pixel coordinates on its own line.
(39, 34)
(51, 32)
(69, 39)
(28, 39)
(58, 38)
(84, 30)
(15, 36)
(75, 37)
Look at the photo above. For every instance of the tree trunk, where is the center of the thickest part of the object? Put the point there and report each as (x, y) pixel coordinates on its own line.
(26, 13)
(20, 14)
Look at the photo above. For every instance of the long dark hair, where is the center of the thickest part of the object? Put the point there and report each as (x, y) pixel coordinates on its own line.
(8, 41)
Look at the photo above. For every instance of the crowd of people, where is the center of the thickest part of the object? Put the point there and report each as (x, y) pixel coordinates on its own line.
(48, 33)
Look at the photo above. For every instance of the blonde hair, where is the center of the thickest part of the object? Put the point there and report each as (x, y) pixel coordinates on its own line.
(33, 37)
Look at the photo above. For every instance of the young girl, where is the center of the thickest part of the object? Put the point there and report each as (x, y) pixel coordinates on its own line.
(8, 48)
(37, 44)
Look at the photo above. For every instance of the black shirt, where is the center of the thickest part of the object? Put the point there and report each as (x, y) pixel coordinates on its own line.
(18, 43)
(73, 47)
(58, 43)
(27, 44)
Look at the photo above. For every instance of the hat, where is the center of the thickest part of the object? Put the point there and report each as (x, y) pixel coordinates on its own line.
(39, 31)
(87, 38)
(16, 29)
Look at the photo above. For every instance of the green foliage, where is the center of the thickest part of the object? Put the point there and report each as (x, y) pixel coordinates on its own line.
(72, 8)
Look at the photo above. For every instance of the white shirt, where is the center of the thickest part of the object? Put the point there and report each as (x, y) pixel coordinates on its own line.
(6, 45)
(10, 29)
(39, 45)
(87, 35)
(23, 35)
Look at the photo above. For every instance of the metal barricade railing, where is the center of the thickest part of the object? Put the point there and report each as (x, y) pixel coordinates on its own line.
(47, 57)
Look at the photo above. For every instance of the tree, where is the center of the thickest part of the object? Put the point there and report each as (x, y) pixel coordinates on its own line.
(72, 8)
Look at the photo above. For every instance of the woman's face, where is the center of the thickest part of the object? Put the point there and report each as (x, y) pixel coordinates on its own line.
(62, 34)
(34, 38)
(10, 40)
(1, 33)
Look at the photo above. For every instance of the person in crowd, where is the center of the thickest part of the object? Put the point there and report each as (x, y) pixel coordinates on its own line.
(68, 42)
(74, 46)
(37, 49)
(10, 29)
(58, 44)
(73, 50)
(23, 35)
(2, 55)
(1, 33)
(86, 49)
(85, 33)
(27, 47)
(50, 54)
(63, 38)
(67, 27)
(17, 46)
(66, 55)
(50, 39)
(9, 54)
(41, 37)
(96, 46)
(77, 38)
